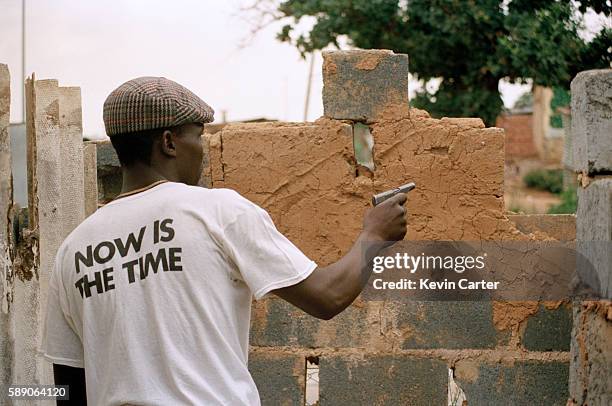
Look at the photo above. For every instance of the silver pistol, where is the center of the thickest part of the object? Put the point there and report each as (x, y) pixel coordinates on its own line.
(381, 197)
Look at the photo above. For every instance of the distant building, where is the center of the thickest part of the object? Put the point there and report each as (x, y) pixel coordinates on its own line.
(529, 133)
(518, 125)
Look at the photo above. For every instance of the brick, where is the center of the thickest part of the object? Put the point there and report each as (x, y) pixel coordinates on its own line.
(594, 235)
(590, 380)
(520, 383)
(592, 121)
(444, 324)
(382, 380)
(518, 129)
(548, 329)
(359, 84)
(280, 378)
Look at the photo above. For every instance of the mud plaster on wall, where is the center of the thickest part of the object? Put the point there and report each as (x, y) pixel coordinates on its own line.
(370, 61)
(304, 175)
(329, 66)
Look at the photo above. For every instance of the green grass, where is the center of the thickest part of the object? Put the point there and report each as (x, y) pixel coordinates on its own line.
(550, 180)
(569, 200)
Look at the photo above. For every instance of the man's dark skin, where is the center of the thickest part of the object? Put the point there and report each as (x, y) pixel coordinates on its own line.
(177, 157)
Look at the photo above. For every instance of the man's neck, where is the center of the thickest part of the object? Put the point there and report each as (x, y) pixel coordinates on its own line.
(138, 177)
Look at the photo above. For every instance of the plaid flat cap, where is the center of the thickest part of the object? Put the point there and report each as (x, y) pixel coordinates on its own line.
(147, 103)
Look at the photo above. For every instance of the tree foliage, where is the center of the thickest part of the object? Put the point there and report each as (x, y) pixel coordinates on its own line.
(469, 45)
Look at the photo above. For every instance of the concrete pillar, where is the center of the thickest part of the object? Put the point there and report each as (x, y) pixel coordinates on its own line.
(55, 205)
(542, 97)
(6, 202)
(592, 121)
(591, 346)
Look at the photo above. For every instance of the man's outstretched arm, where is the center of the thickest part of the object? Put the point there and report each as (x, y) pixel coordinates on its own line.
(329, 290)
(75, 379)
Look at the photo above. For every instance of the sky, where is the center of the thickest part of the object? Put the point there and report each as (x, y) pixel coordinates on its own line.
(205, 45)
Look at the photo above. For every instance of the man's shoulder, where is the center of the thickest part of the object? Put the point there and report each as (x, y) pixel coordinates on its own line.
(226, 204)
(212, 193)
(225, 197)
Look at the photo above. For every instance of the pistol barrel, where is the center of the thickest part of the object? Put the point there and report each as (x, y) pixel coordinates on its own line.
(381, 197)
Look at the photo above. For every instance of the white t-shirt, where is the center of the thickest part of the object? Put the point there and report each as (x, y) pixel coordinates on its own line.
(152, 295)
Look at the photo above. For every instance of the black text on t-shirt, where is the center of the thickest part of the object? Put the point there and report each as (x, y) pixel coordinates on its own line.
(165, 258)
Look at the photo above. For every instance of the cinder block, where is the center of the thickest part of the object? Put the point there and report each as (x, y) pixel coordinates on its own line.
(108, 169)
(590, 380)
(106, 157)
(359, 84)
(382, 380)
(594, 235)
(592, 121)
(276, 323)
(280, 378)
(521, 383)
(452, 325)
(412, 325)
(549, 329)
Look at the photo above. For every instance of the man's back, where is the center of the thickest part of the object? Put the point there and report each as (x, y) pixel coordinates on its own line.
(157, 287)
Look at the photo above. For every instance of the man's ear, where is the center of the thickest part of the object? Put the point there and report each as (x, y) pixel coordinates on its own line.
(168, 144)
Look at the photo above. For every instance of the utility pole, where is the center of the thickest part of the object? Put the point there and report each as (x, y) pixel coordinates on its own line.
(23, 60)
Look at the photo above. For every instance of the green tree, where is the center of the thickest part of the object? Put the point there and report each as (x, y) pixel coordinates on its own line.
(469, 45)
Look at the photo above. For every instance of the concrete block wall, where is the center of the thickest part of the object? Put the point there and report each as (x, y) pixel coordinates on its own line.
(306, 176)
(591, 339)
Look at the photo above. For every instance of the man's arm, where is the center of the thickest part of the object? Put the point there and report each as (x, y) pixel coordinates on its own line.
(331, 289)
(75, 379)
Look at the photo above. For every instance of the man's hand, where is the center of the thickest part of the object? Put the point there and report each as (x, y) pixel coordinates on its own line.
(387, 221)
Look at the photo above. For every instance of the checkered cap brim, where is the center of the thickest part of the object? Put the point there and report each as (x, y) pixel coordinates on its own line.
(147, 103)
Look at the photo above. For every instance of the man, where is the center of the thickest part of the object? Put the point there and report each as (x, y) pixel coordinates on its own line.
(149, 301)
